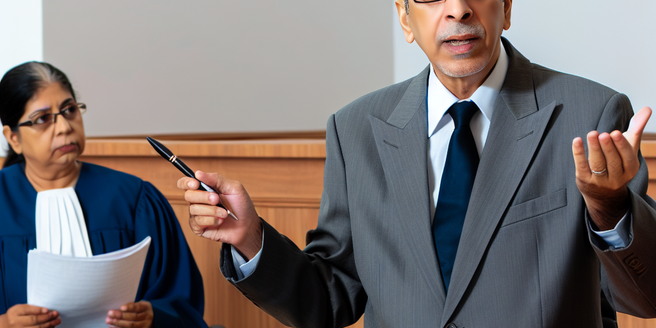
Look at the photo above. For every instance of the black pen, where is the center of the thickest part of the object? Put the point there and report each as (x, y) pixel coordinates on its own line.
(168, 155)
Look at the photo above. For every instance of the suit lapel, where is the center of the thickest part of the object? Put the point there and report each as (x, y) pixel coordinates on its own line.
(516, 129)
(401, 141)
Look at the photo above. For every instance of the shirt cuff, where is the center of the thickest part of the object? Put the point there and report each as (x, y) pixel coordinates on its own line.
(618, 237)
(243, 268)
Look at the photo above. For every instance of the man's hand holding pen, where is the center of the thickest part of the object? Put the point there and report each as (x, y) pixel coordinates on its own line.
(209, 221)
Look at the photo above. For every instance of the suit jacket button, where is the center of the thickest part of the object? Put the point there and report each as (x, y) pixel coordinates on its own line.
(451, 325)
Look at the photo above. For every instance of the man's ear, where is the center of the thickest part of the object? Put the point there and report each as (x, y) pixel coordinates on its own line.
(507, 6)
(403, 19)
(13, 138)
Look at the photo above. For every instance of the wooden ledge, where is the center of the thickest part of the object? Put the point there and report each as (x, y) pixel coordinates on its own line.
(275, 148)
(648, 148)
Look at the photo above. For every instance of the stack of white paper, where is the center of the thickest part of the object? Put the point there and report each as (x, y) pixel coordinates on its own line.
(84, 289)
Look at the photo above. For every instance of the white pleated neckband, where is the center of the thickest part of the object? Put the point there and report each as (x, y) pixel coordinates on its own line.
(60, 226)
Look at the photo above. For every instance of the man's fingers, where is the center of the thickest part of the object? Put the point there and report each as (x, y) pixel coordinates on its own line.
(596, 158)
(201, 197)
(220, 183)
(207, 221)
(580, 161)
(195, 228)
(199, 225)
(614, 164)
(625, 149)
(187, 183)
(637, 126)
(211, 179)
(207, 210)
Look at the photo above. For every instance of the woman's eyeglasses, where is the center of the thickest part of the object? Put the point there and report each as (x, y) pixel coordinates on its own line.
(43, 120)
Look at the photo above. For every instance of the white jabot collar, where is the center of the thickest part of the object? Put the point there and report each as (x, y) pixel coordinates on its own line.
(440, 98)
(60, 226)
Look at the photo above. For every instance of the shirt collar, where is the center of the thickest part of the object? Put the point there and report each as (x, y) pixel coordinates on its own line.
(440, 99)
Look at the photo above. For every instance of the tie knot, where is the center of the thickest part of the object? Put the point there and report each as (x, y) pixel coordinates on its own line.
(462, 112)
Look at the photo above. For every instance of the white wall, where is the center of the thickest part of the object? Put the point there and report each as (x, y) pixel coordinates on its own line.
(610, 42)
(409, 59)
(21, 37)
(151, 67)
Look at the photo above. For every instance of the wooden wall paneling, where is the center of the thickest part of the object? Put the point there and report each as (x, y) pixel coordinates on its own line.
(275, 180)
(627, 321)
(284, 179)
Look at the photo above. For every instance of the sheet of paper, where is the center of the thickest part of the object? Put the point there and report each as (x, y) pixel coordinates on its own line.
(83, 289)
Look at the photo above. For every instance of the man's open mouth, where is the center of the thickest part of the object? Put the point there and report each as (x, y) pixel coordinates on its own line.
(459, 42)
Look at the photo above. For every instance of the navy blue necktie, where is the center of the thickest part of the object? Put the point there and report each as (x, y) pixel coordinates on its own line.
(455, 188)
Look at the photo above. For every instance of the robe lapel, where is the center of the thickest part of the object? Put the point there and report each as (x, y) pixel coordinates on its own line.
(516, 129)
(401, 141)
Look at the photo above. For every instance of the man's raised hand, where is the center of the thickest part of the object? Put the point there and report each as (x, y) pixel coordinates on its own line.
(611, 163)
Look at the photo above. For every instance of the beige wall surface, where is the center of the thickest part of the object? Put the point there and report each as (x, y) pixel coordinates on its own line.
(147, 67)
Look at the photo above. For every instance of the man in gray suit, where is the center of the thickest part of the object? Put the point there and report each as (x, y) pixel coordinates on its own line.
(545, 228)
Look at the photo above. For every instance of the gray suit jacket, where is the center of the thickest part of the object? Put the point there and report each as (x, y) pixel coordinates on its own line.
(525, 258)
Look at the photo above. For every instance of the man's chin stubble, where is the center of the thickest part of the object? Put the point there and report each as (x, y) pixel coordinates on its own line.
(460, 71)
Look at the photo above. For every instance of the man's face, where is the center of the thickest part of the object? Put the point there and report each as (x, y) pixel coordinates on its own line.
(460, 37)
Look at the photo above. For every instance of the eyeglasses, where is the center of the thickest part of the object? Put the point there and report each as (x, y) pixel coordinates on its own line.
(42, 120)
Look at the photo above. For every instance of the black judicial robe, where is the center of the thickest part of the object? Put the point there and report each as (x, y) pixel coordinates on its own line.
(120, 210)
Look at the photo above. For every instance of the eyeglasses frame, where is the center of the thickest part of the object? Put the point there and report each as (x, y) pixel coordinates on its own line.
(82, 107)
(428, 1)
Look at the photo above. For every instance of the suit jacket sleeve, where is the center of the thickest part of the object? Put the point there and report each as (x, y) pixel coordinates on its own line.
(629, 274)
(318, 287)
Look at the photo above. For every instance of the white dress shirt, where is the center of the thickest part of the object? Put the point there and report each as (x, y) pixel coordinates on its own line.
(441, 126)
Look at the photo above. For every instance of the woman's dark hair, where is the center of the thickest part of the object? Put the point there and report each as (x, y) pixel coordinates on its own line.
(17, 87)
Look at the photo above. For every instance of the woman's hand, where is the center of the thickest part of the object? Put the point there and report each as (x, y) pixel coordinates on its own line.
(132, 315)
(25, 315)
